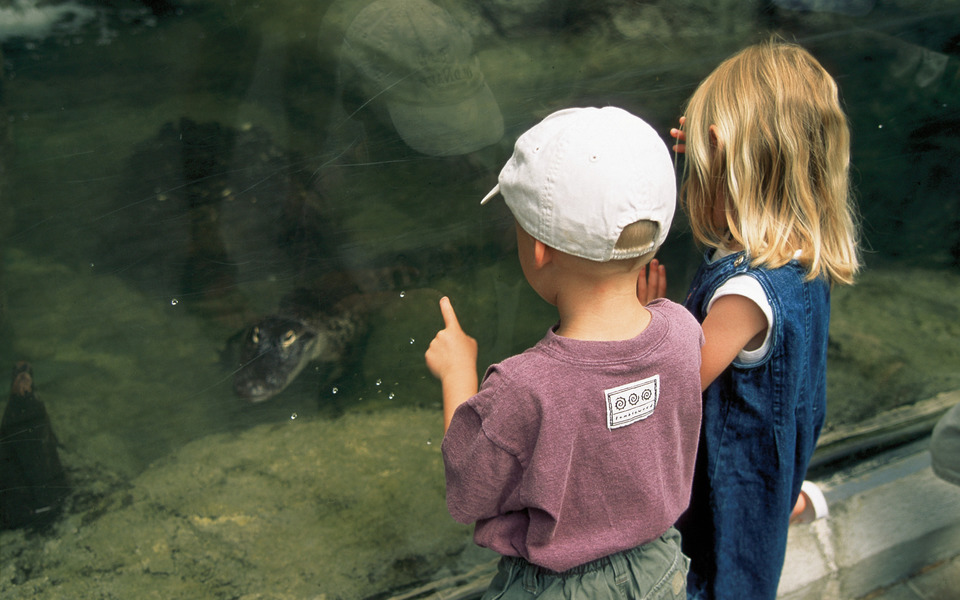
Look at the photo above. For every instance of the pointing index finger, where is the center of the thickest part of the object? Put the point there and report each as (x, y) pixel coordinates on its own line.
(449, 316)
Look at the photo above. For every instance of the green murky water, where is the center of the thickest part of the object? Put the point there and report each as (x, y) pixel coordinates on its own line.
(123, 295)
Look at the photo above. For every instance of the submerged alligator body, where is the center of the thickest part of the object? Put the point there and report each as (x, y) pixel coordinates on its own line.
(207, 209)
(204, 208)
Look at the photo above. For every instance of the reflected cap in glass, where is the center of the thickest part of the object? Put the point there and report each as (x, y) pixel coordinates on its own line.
(580, 176)
(413, 56)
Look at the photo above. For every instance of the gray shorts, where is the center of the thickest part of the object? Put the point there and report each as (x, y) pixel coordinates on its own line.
(654, 571)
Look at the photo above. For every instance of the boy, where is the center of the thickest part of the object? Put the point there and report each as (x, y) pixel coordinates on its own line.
(575, 458)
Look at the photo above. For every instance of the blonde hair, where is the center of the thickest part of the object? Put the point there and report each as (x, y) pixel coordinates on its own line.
(778, 167)
(637, 236)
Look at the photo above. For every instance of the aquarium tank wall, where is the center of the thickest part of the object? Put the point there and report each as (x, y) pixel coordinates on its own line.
(225, 226)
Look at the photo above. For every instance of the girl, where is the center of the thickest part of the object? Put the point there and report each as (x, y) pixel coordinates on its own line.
(766, 191)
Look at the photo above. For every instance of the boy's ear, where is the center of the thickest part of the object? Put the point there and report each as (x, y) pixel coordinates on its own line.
(542, 254)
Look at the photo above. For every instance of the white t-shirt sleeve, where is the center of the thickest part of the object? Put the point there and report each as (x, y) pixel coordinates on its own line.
(748, 287)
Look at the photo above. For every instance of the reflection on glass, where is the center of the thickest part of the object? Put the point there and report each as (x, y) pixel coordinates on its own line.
(410, 59)
(175, 171)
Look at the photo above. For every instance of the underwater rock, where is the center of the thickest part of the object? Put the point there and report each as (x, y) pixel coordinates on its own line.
(515, 19)
(33, 484)
(306, 508)
(856, 8)
(27, 20)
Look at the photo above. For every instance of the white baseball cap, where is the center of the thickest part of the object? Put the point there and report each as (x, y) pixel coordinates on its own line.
(581, 175)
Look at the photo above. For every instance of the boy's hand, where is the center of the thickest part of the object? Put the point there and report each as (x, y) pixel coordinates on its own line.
(652, 283)
(451, 350)
(677, 133)
(452, 358)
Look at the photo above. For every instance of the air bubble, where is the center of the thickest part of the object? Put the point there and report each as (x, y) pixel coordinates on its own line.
(293, 417)
(335, 390)
(402, 293)
(174, 302)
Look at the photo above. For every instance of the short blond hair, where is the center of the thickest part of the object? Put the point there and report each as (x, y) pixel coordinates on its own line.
(780, 167)
(638, 236)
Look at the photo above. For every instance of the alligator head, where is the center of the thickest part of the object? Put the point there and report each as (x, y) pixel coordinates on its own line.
(273, 351)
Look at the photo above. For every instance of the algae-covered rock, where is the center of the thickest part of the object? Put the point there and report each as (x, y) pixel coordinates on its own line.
(343, 508)
(888, 349)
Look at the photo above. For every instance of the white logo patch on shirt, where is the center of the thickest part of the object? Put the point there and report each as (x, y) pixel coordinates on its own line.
(632, 402)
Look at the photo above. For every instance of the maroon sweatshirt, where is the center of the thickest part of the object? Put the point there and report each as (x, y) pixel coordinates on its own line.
(574, 450)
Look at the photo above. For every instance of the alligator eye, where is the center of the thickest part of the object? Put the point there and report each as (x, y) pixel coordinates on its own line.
(289, 338)
(255, 335)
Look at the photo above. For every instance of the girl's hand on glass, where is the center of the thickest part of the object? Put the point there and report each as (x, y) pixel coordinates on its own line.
(678, 134)
(652, 283)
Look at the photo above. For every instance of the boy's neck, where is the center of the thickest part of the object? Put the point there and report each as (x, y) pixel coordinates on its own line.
(607, 311)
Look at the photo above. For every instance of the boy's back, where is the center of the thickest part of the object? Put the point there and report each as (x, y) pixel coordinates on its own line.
(575, 449)
(575, 458)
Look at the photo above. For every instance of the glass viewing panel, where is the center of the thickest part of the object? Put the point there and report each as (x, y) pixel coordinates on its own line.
(225, 226)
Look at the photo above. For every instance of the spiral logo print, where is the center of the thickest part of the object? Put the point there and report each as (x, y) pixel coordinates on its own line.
(632, 402)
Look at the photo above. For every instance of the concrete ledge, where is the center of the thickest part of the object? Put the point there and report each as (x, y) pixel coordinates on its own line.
(890, 517)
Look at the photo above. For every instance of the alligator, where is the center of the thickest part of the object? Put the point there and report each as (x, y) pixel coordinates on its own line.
(207, 209)
(324, 324)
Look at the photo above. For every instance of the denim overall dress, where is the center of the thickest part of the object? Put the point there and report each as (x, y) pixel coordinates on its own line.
(760, 426)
